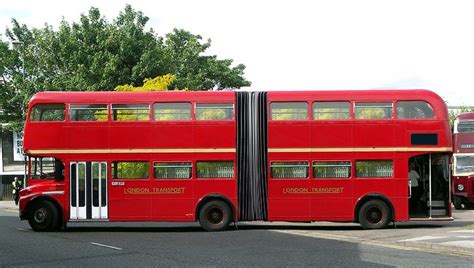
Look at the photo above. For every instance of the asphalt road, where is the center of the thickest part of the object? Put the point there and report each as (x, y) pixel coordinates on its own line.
(166, 244)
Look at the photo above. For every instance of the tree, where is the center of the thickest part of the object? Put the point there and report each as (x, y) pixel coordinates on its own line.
(95, 54)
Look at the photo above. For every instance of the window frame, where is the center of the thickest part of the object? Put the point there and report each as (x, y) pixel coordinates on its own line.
(374, 160)
(350, 110)
(191, 111)
(212, 178)
(112, 112)
(425, 118)
(174, 179)
(308, 111)
(87, 121)
(40, 121)
(351, 170)
(195, 114)
(290, 161)
(129, 161)
(392, 105)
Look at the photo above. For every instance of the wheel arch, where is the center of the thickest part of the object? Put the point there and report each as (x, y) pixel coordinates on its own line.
(38, 199)
(373, 196)
(214, 196)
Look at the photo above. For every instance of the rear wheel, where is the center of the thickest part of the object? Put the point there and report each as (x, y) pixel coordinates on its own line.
(374, 214)
(215, 215)
(43, 217)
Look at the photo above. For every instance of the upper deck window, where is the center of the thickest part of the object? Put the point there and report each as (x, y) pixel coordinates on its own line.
(373, 110)
(88, 112)
(465, 126)
(172, 111)
(289, 110)
(130, 112)
(331, 110)
(414, 110)
(214, 111)
(48, 112)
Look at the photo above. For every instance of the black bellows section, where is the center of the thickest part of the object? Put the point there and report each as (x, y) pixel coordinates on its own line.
(252, 150)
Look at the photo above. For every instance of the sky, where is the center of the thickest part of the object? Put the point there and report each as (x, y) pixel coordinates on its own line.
(309, 45)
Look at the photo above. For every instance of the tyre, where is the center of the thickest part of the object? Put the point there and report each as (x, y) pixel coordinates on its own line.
(374, 214)
(457, 202)
(43, 217)
(215, 215)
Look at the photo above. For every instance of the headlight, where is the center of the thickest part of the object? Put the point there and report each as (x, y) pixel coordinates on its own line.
(460, 187)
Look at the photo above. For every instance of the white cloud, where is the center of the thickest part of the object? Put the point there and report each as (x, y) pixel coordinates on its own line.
(312, 44)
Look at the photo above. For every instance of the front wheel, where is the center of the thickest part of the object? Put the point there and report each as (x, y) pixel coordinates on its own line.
(215, 215)
(43, 217)
(457, 202)
(374, 214)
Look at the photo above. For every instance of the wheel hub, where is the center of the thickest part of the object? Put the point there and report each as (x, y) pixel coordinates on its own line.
(40, 215)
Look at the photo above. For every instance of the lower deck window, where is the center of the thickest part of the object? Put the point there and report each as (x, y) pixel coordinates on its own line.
(215, 169)
(172, 170)
(374, 169)
(289, 170)
(335, 169)
(130, 170)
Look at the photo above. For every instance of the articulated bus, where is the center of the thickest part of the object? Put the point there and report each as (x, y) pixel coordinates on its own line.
(463, 161)
(227, 157)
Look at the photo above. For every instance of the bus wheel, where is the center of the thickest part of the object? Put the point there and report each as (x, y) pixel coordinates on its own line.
(374, 214)
(215, 215)
(43, 217)
(457, 202)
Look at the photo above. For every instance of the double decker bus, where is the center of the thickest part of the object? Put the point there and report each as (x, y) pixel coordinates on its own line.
(463, 161)
(227, 157)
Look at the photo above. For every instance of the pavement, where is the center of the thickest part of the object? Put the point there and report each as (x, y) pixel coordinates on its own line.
(449, 238)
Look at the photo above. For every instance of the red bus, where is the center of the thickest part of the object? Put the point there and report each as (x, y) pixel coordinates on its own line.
(223, 157)
(463, 161)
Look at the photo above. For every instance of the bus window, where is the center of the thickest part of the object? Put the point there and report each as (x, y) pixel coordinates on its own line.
(373, 110)
(464, 165)
(374, 169)
(88, 112)
(414, 110)
(172, 111)
(130, 170)
(289, 110)
(215, 169)
(333, 169)
(465, 126)
(46, 168)
(172, 170)
(214, 111)
(289, 170)
(130, 112)
(331, 110)
(48, 112)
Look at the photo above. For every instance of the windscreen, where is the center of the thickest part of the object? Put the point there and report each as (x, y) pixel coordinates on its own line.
(466, 126)
(465, 164)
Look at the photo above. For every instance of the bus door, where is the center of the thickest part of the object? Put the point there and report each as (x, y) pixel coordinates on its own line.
(88, 191)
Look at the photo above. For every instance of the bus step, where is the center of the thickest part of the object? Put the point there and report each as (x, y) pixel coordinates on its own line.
(436, 203)
(438, 212)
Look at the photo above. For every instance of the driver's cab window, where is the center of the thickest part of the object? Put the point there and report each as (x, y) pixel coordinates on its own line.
(46, 168)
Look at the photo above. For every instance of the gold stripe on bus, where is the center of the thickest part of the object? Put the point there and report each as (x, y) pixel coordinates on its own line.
(360, 149)
(232, 150)
(134, 151)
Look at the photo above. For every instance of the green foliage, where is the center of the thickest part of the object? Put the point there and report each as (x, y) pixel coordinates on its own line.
(159, 83)
(96, 54)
